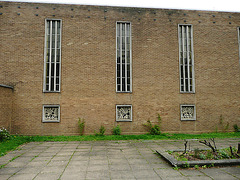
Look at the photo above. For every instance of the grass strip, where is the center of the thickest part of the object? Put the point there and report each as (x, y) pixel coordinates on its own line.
(12, 144)
(16, 141)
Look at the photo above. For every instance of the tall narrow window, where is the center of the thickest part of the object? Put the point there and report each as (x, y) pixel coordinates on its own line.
(186, 60)
(52, 56)
(124, 57)
(239, 42)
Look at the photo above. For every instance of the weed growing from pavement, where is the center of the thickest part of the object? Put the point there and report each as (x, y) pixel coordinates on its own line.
(81, 124)
(116, 130)
(101, 131)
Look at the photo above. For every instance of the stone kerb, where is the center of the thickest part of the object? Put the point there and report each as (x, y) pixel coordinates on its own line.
(176, 163)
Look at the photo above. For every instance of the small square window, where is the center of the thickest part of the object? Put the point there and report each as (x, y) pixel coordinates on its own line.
(123, 112)
(51, 113)
(188, 112)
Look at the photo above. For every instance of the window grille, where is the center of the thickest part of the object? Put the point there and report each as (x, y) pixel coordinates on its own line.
(123, 113)
(51, 113)
(186, 59)
(124, 57)
(188, 112)
(52, 56)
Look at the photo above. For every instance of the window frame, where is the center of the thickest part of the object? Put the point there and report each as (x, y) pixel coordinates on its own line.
(192, 54)
(130, 50)
(45, 59)
(194, 111)
(123, 120)
(238, 30)
(43, 114)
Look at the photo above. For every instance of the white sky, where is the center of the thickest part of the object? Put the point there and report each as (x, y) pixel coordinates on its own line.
(213, 5)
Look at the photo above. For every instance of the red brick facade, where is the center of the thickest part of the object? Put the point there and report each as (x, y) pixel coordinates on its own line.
(88, 68)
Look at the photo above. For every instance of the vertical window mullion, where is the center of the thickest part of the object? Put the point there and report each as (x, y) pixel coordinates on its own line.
(180, 56)
(130, 52)
(239, 42)
(60, 54)
(46, 55)
(50, 57)
(192, 59)
(183, 55)
(126, 77)
(187, 30)
(120, 39)
(116, 57)
(55, 57)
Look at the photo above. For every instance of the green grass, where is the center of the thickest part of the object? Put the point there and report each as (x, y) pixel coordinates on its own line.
(12, 144)
(15, 141)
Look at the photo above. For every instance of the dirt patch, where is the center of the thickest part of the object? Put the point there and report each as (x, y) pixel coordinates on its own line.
(196, 155)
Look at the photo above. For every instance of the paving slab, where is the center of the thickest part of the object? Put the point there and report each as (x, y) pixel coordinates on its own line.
(28, 170)
(47, 176)
(38, 164)
(73, 169)
(98, 175)
(9, 170)
(28, 176)
(199, 178)
(145, 174)
(122, 175)
(16, 164)
(232, 170)
(168, 173)
(218, 173)
(133, 159)
(138, 167)
(120, 167)
(73, 176)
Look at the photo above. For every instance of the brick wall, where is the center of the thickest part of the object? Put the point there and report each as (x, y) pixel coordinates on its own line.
(6, 94)
(88, 73)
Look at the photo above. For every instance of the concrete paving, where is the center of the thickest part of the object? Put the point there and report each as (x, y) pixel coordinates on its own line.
(132, 159)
